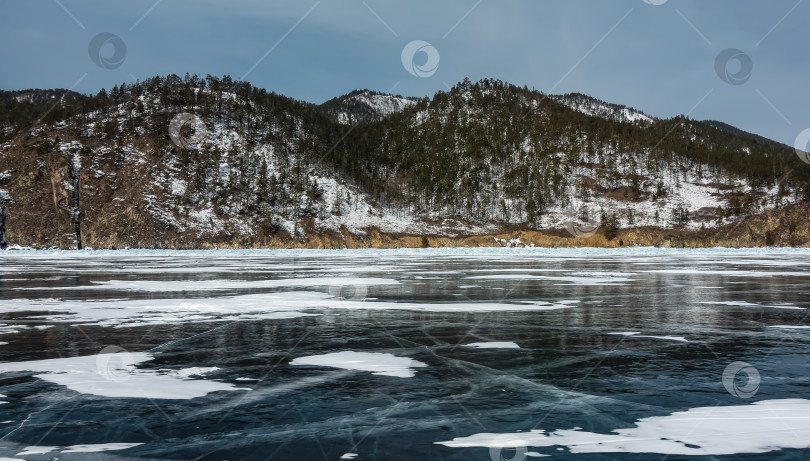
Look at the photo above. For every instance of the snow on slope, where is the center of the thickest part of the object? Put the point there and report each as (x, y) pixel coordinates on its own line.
(358, 212)
(378, 105)
(688, 191)
(597, 108)
(346, 206)
(342, 205)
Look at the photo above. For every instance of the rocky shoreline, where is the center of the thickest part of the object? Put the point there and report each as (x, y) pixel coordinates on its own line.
(785, 227)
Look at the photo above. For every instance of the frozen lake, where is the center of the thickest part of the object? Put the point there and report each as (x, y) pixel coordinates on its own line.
(468, 354)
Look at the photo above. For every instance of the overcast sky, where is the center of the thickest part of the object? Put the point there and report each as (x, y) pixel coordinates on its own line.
(658, 58)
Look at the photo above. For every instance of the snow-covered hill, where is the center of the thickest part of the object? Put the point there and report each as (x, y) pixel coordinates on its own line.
(592, 106)
(478, 159)
(366, 106)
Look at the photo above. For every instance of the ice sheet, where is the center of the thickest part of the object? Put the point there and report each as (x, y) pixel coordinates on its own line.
(564, 322)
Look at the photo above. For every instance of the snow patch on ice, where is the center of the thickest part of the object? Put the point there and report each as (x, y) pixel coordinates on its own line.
(218, 285)
(732, 273)
(99, 447)
(377, 363)
(265, 306)
(747, 304)
(86, 448)
(494, 345)
(584, 280)
(186, 373)
(465, 307)
(762, 427)
(636, 334)
(36, 450)
(116, 376)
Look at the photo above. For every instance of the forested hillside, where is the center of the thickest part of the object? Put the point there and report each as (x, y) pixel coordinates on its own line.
(255, 168)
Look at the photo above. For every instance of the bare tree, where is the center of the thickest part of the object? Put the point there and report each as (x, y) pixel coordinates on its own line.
(76, 168)
(3, 243)
(74, 158)
(4, 200)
